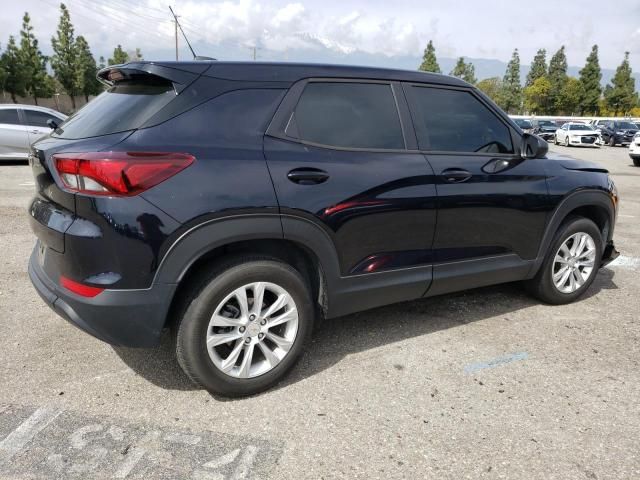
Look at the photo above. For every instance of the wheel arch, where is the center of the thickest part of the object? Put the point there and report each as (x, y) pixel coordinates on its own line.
(308, 250)
(596, 205)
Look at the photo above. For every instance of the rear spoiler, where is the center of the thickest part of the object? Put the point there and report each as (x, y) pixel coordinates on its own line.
(113, 74)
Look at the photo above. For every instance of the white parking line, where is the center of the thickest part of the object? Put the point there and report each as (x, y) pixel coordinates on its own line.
(21, 436)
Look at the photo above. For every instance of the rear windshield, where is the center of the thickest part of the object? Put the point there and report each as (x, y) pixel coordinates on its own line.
(123, 107)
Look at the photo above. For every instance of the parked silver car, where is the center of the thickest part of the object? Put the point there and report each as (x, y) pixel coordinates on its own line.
(21, 125)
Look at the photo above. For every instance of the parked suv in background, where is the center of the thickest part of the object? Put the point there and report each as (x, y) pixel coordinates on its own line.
(634, 149)
(616, 132)
(21, 125)
(238, 203)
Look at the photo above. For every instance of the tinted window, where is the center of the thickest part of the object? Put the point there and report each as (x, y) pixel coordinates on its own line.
(39, 119)
(456, 121)
(9, 116)
(579, 127)
(348, 115)
(122, 107)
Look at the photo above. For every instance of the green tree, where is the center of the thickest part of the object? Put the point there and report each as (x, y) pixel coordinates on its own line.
(538, 67)
(64, 57)
(119, 56)
(590, 77)
(429, 61)
(492, 87)
(34, 63)
(537, 96)
(102, 64)
(621, 97)
(86, 69)
(558, 77)
(13, 71)
(571, 96)
(511, 95)
(137, 55)
(465, 71)
(3, 73)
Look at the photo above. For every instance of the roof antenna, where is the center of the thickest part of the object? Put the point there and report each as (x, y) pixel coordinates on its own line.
(195, 57)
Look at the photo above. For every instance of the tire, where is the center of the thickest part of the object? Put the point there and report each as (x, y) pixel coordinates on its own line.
(566, 141)
(209, 292)
(636, 161)
(542, 286)
(555, 140)
(612, 141)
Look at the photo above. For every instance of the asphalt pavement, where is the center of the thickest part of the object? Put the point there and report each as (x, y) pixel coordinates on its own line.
(481, 384)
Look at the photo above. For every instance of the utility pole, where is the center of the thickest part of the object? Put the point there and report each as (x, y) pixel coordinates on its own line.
(175, 30)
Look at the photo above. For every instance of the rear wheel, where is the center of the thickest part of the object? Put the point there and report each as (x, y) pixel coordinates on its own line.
(244, 326)
(636, 161)
(571, 263)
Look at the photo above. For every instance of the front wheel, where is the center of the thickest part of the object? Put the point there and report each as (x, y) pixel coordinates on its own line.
(571, 263)
(612, 141)
(244, 326)
(566, 141)
(555, 140)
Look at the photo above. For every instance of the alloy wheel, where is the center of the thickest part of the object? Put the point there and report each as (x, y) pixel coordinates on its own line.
(252, 330)
(574, 262)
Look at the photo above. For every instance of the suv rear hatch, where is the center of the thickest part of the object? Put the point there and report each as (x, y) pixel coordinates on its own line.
(137, 96)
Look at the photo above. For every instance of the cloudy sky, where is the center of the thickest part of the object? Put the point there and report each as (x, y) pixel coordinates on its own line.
(364, 31)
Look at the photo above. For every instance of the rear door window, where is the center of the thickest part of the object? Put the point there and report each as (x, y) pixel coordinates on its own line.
(9, 116)
(456, 121)
(125, 106)
(347, 115)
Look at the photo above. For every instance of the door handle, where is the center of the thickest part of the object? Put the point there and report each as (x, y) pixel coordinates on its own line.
(456, 175)
(34, 131)
(308, 176)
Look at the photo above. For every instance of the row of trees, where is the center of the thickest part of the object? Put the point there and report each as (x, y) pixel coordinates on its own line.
(548, 88)
(24, 70)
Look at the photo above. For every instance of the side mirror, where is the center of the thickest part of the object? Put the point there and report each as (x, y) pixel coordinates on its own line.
(52, 124)
(533, 146)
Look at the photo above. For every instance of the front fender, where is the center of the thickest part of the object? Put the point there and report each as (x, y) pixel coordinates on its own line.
(576, 199)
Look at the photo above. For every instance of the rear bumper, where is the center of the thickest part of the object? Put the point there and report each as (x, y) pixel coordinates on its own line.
(130, 318)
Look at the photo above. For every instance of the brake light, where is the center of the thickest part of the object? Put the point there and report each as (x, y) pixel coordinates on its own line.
(121, 174)
(79, 288)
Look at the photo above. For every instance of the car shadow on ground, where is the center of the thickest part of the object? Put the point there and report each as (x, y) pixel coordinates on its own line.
(336, 338)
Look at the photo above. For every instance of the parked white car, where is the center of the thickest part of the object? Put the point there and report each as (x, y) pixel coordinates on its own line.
(634, 149)
(577, 135)
(21, 125)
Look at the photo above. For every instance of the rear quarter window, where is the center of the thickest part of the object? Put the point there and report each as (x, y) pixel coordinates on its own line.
(122, 107)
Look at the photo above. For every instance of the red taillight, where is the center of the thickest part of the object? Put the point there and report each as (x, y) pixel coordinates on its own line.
(79, 288)
(117, 173)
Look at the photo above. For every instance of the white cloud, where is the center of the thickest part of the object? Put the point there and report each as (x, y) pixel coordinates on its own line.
(377, 27)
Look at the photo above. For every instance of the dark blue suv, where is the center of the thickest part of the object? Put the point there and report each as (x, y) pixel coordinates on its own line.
(237, 203)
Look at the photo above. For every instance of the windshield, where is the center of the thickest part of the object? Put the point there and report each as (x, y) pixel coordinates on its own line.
(122, 107)
(547, 123)
(627, 125)
(579, 127)
(522, 123)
